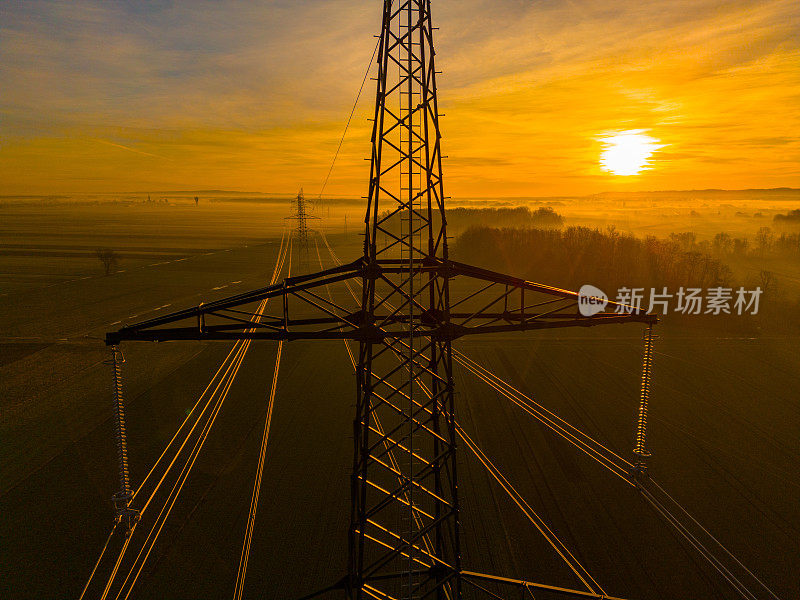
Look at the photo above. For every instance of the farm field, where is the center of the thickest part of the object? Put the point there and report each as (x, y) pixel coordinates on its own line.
(724, 420)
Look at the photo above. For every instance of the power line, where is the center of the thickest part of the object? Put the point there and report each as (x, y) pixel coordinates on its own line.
(200, 442)
(251, 519)
(226, 380)
(349, 118)
(548, 534)
(701, 549)
(618, 466)
(711, 536)
(99, 558)
(172, 498)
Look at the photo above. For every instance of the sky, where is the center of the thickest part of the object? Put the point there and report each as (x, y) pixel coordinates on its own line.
(112, 96)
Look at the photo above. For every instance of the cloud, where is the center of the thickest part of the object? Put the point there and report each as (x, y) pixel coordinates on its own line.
(129, 149)
(257, 93)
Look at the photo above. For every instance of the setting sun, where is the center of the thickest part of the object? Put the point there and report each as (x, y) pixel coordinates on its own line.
(627, 152)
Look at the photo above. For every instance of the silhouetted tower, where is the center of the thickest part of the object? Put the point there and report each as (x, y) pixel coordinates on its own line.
(301, 216)
(301, 231)
(404, 534)
(405, 517)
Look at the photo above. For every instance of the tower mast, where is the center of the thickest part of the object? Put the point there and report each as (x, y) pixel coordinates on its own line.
(405, 515)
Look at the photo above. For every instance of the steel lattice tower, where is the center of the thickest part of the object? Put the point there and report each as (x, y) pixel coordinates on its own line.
(405, 516)
(301, 215)
(404, 531)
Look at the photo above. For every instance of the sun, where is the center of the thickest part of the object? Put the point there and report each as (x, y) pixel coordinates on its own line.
(627, 152)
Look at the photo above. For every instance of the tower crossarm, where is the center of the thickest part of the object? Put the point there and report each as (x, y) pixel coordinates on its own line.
(484, 301)
(481, 301)
(297, 311)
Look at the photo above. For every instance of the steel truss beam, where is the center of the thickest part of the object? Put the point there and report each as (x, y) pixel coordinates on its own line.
(490, 303)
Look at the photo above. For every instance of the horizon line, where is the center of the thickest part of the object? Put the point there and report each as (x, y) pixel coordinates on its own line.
(358, 197)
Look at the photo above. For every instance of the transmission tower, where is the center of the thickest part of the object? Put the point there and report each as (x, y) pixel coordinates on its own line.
(406, 205)
(301, 215)
(404, 535)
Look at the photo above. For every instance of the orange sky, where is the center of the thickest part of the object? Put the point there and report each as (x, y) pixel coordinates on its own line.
(106, 97)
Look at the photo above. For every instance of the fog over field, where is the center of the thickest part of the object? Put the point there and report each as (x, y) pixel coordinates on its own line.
(724, 414)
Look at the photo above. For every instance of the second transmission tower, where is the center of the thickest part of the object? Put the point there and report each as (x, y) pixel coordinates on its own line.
(301, 216)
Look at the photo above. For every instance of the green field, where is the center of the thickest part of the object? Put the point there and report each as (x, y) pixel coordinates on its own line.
(724, 426)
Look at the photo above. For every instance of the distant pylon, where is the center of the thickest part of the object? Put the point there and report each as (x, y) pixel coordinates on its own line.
(301, 216)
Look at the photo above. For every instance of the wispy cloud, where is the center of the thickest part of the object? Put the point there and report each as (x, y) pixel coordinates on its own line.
(128, 148)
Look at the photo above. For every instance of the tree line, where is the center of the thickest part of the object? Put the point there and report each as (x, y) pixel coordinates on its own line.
(459, 219)
(521, 216)
(765, 243)
(574, 256)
